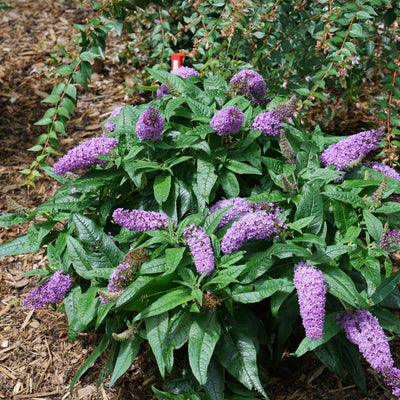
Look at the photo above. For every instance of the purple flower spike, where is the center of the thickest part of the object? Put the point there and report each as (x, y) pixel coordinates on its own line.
(390, 241)
(109, 125)
(140, 220)
(363, 329)
(85, 155)
(384, 169)
(267, 123)
(200, 247)
(150, 124)
(227, 121)
(350, 149)
(311, 289)
(252, 226)
(162, 91)
(185, 72)
(53, 290)
(249, 83)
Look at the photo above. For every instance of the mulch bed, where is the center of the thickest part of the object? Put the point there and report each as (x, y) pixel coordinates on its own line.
(37, 361)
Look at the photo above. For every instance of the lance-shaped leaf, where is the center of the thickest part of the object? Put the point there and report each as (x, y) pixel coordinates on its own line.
(79, 258)
(206, 178)
(204, 334)
(260, 290)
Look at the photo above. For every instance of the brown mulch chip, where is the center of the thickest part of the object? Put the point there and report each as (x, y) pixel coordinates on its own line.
(37, 361)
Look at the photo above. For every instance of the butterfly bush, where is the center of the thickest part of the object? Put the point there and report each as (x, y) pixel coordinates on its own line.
(227, 121)
(311, 290)
(52, 290)
(150, 124)
(249, 83)
(252, 226)
(350, 149)
(200, 246)
(391, 239)
(140, 220)
(364, 330)
(84, 155)
(110, 125)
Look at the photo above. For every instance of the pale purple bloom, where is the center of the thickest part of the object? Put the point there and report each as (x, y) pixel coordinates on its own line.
(267, 123)
(185, 72)
(311, 290)
(200, 246)
(140, 220)
(52, 290)
(249, 83)
(363, 329)
(239, 208)
(150, 124)
(162, 91)
(350, 149)
(227, 121)
(252, 226)
(384, 169)
(391, 240)
(270, 122)
(84, 155)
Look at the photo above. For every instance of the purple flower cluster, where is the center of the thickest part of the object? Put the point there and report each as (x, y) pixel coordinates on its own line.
(150, 124)
(227, 121)
(183, 72)
(311, 289)
(140, 220)
(52, 290)
(350, 149)
(249, 83)
(125, 272)
(109, 125)
(252, 226)
(270, 122)
(84, 155)
(384, 169)
(240, 207)
(200, 247)
(391, 238)
(363, 329)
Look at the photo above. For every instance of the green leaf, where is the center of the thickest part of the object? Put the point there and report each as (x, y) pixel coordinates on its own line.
(371, 271)
(166, 302)
(80, 260)
(311, 205)
(28, 243)
(156, 330)
(53, 98)
(350, 198)
(155, 266)
(374, 225)
(214, 386)
(90, 233)
(127, 353)
(323, 256)
(229, 183)
(341, 286)
(173, 257)
(385, 288)
(161, 187)
(64, 70)
(331, 328)
(259, 290)
(206, 178)
(199, 110)
(345, 216)
(96, 353)
(241, 168)
(204, 334)
(12, 219)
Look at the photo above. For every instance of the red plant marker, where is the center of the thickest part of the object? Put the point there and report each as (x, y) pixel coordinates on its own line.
(176, 61)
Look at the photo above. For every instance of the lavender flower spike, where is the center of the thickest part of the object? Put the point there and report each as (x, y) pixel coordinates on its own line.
(252, 226)
(109, 125)
(350, 149)
(384, 169)
(140, 220)
(200, 247)
(390, 241)
(227, 121)
(150, 124)
(249, 83)
(363, 329)
(311, 290)
(84, 155)
(267, 123)
(185, 72)
(52, 290)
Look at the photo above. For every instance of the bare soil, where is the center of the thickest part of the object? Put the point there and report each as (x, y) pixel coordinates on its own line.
(36, 359)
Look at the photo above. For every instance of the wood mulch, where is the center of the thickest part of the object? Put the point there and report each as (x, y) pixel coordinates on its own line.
(36, 359)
